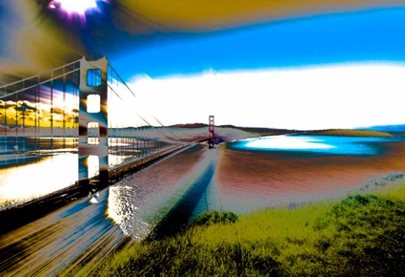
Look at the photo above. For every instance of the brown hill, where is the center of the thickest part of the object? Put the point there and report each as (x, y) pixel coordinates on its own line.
(351, 133)
(189, 125)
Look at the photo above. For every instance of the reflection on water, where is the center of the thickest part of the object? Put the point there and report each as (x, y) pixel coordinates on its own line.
(14, 144)
(33, 167)
(46, 174)
(123, 210)
(31, 177)
(288, 143)
(140, 201)
(116, 160)
(341, 145)
(25, 182)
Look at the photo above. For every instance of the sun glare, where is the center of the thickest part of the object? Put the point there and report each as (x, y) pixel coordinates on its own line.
(74, 6)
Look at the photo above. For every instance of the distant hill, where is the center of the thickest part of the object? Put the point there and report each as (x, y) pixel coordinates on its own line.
(373, 131)
(386, 128)
(227, 126)
(350, 133)
(189, 125)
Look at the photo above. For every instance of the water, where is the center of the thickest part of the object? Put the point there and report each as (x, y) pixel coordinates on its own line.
(270, 171)
(171, 189)
(31, 167)
(247, 175)
(240, 176)
(232, 177)
(47, 174)
(327, 145)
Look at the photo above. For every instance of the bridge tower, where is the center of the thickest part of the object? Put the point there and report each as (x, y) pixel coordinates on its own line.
(212, 138)
(93, 119)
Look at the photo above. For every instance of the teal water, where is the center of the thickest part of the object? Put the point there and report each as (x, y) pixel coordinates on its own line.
(316, 144)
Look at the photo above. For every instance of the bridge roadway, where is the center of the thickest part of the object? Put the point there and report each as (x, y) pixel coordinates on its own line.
(80, 232)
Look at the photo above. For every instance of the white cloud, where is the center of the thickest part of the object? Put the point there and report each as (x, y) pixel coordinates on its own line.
(343, 96)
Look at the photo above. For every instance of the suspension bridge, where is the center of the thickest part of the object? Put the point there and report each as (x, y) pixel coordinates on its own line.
(75, 129)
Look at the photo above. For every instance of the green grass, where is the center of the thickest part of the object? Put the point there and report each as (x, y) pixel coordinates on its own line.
(362, 234)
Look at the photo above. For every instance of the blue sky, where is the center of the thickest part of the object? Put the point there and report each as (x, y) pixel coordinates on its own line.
(332, 71)
(336, 70)
(367, 36)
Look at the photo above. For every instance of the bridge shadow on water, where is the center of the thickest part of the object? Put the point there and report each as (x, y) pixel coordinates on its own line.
(178, 217)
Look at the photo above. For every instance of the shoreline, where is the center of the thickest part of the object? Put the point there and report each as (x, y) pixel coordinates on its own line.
(286, 239)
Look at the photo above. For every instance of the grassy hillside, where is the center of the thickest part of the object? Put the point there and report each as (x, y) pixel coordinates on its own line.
(351, 133)
(362, 234)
